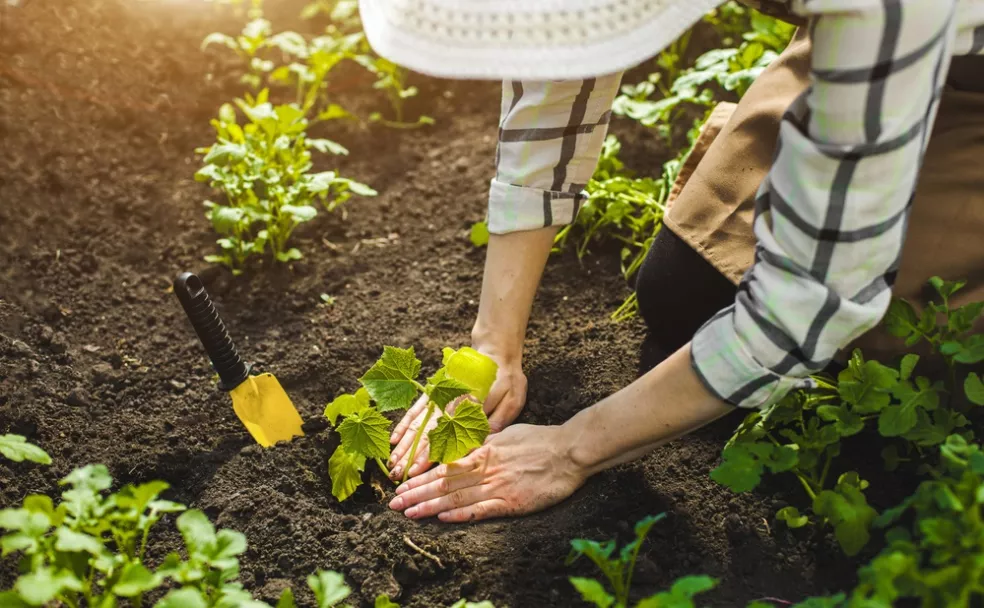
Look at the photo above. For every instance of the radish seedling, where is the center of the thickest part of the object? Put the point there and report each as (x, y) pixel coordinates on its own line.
(391, 384)
(263, 169)
(618, 568)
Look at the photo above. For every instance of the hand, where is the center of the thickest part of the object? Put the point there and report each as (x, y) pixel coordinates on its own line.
(504, 403)
(521, 470)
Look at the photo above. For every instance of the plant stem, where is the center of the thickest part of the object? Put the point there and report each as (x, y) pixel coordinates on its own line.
(416, 440)
(382, 467)
(826, 469)
(806, 486)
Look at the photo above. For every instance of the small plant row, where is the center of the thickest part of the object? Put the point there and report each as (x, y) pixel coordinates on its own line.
(89, 549)
(263, 166)
(455, 393)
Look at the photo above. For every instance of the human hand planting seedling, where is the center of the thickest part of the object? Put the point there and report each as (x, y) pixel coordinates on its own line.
(391, 384)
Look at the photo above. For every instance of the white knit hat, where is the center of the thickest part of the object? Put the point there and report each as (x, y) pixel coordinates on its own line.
(525, 39)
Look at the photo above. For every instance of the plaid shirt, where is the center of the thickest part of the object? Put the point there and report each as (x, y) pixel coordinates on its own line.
(830, 215)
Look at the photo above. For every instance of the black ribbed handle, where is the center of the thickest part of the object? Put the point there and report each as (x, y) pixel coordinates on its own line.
(211, 331)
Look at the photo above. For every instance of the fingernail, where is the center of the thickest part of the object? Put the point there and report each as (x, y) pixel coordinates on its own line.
(413, 469)
(411, 512)
(393, 438)
(400, 489)
(397, 503)
(396, 472)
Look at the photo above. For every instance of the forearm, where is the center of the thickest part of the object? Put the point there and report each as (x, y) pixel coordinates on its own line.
(667, 402)
(513, 267)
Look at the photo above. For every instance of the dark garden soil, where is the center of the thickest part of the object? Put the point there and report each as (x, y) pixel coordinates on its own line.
(102, 103)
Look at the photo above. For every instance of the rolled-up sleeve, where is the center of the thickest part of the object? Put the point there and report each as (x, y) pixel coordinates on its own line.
(831, 214)
(550, 137)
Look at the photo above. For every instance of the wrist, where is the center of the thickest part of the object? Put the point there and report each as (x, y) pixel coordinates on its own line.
(506, 347)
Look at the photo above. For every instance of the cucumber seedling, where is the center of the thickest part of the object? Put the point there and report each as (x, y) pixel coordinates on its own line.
(391, 384)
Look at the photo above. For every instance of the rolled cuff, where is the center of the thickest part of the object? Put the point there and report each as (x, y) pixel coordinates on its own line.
(729, 371)
(517, 208)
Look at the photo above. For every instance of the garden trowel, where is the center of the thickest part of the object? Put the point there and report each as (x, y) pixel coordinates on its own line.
(259, 401)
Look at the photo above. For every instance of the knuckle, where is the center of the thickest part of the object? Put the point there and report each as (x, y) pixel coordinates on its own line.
(479, 511)
(444, 485)
(457, 498)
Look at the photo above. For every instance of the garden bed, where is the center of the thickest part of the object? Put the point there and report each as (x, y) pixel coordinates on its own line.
(102, 103)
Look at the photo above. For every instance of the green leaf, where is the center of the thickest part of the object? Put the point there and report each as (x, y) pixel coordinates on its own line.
(479, 234)
(907, 365)
(472, 368)
(847, 510)
(16, 448)
(892, 459)
(739, 470)
(457, 435)
(592, 592)
(224, 154)
(70, 541)
(299, 213)
(383, 601)
(329, 588)
(896, 420)
(10, 599)
(946, 288)
(845, 421)
(681, 594)
(901, 320)
(793, 518)
(286, 599)
(443, 390)
(183, 598)
(326, 146)
(391, 381)
(344, 405)
(345, 469)
(136, 579)
(94, 477)
(972, 350)
(197, 531)
(366, 432)
(974, 389)
(44, 584)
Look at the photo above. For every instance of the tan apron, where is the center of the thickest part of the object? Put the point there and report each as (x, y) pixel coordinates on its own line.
(711, 206)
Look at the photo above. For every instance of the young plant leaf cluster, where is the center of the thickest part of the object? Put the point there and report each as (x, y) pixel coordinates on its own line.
(803, 433)
(618, 566)
(730, 69)
(264, 170)
(89, 549)
(306, 64)
(392, 384)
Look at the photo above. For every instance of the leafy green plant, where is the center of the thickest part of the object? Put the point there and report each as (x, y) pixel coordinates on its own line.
(618, 568)
(391, 384)
(263, 168)
(18, 449)
(802, 433)
(939, 557)
(89, 550)
(392, 80)
(731, 69)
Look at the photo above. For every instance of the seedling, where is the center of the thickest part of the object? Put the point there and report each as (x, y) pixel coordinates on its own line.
(89, 551)
(391, 384)
(17, 449)
(618, 569)
(263, 170)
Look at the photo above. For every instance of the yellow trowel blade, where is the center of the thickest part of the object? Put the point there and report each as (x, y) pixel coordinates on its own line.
(266, 410)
